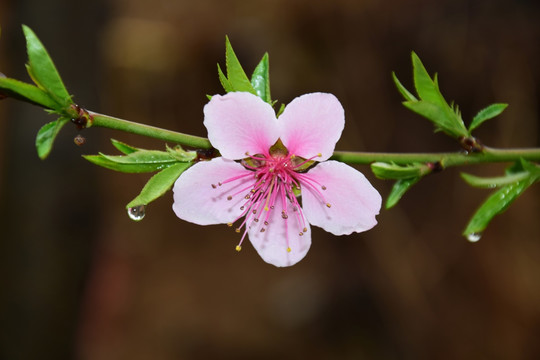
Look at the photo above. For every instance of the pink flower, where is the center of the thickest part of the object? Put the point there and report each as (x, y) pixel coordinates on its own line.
(272, 180)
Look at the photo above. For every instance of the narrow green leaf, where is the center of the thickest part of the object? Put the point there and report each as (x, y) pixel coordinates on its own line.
(46, 135)
(442, 119)
(105, 162)
(180, 154)
(384, 170)
(495, 204)
(446, 118)
(487, 113)
(403, 91)
(260, 80)
(159, 184)
(235, 73)
(224, 81)
(43, 71)
(123, 147)
(142, 157)
(26, 92)
(426, 87)
(493, 182)
(398, 190)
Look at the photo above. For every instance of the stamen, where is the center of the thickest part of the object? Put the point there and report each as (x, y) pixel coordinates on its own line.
(288, 249)
(238, 248)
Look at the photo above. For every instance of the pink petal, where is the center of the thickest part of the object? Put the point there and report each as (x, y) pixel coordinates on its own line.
(312, 124)
(272, 243)
(240, 122)
(197, 201)
(354, 201)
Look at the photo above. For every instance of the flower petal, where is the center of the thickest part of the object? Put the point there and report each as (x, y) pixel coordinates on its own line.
(272, 243)
(312, 124)
(197, 201)
(240, 122)
(354, 202)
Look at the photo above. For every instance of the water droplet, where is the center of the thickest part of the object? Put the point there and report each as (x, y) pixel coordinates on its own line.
(136, 213)
(474, 237)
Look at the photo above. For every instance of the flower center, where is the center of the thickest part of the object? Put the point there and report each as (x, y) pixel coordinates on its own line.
(278, 179)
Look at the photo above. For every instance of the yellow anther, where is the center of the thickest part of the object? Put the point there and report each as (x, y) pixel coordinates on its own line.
(237, 230)
(229, 224)
(319, 154)
(238, 248)
(328, 205)
(288, 249)
(293, 156)
(266, 208)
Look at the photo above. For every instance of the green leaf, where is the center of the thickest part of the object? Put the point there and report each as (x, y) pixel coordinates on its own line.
(180, 154)
(487, 113)
(260, 80)
(493, 182)
(495, 204)
(235, 73)
(26, 92)
(398, 190)
(42, 69)
(123, 147)
(224, 81)
(384, 170)
(443, 119)
(46, 135)
(136, 162)
(404, 92)
(159, 184)
(102, 161)
(425, 86)
(432, 104)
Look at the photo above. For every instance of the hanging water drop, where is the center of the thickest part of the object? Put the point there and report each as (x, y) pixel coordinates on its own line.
(474, 237)
(136, 213)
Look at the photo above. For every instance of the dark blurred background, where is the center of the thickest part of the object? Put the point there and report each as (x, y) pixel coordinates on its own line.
(80, 280)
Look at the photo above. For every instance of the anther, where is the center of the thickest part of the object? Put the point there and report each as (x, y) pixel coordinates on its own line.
(238, 248)
(237, 230)
(229, 197)
(328, 205)
(266, 208)
(266, 223)
(219, 183)
(247, 197)
(254, 211)
(229, 224)
(288, 249)
(263, 230)
(323, 187)
(241, 207)
(256, 220)
(301, 233)
(304, 229)
(284, 216)
(214, 186)
(319, 154)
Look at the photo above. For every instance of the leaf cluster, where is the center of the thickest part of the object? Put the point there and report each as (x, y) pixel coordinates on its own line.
(48, 91)
(168, 165)
(237, 80)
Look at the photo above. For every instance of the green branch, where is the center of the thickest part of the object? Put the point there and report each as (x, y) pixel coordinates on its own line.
(149, 131)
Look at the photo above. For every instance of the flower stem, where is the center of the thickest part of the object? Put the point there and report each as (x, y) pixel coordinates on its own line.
(488, 155)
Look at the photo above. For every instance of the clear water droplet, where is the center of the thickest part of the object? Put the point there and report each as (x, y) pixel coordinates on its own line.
(474, 237)
(136, 213)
